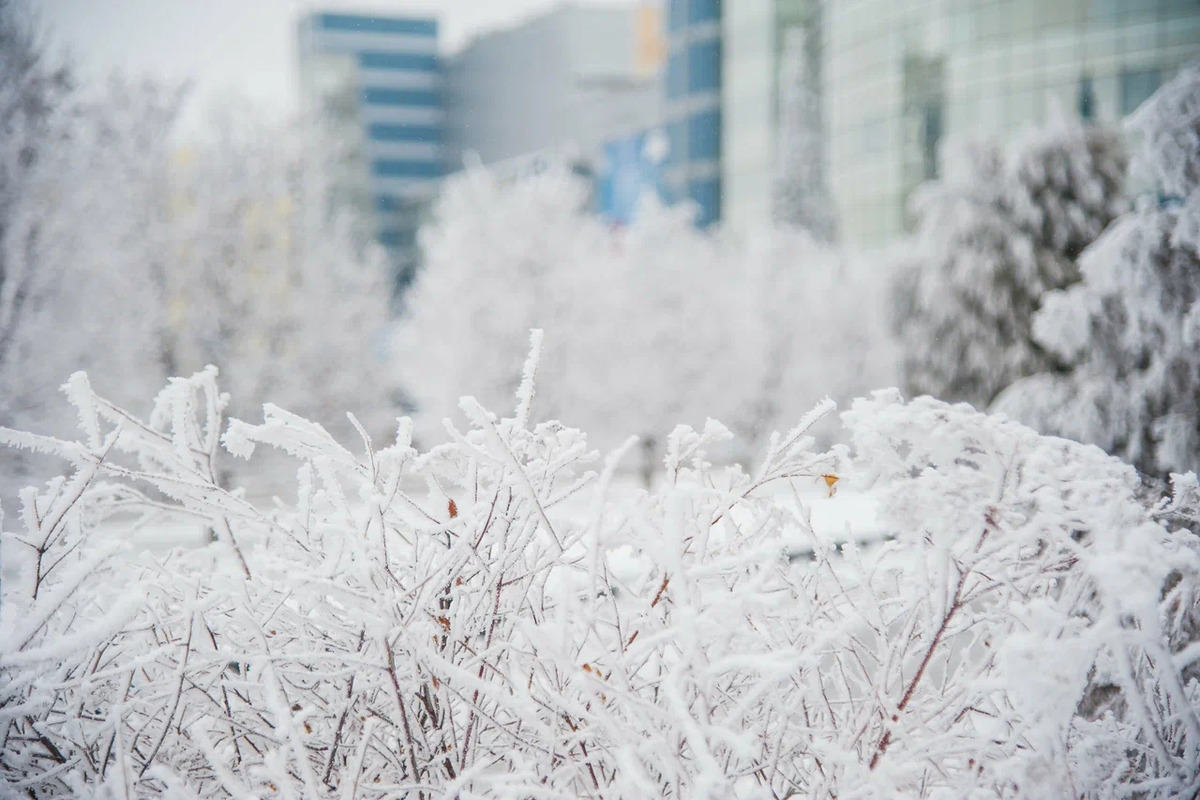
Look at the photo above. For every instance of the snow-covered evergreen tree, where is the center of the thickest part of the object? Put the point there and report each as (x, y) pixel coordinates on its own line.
(801, 196)
(999, 231)
(1132, 325)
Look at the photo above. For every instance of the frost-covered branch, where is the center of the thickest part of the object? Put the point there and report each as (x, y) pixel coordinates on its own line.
(1029, 629)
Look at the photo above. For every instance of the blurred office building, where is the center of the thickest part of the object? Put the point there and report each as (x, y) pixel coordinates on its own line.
(892, 80)
(376, 82)
(694, 105)
(565, 81)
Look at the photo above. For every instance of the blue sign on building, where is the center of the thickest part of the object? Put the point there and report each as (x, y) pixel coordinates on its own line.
(632, 170)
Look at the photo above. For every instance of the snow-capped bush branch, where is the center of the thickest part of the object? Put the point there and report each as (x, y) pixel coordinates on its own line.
(450, 623)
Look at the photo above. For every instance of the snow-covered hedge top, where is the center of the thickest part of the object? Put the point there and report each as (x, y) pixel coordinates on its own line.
(442, 624)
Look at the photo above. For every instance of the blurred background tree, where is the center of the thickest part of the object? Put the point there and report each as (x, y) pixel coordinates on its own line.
(1002, 228)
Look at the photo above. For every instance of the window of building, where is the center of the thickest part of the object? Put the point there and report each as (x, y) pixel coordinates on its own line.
(704, 136)
(1087, 98)
(704, 11)
(386, 132)
(1137, 86)
(400, 97)
(707, 194)
(704, 66)
(676, 15)
(401, 168)
(677, 141)
(676, 76)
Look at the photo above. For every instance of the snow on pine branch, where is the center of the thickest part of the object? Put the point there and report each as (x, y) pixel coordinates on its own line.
(447, 623)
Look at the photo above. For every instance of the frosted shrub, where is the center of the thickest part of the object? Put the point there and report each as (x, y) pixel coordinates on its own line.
(440, 624)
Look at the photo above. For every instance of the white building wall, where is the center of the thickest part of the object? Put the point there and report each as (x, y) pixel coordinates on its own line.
(566, 79)
(748, 112)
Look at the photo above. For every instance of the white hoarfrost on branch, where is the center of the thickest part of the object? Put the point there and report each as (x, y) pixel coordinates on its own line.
(1131, 327)
(1030, 632)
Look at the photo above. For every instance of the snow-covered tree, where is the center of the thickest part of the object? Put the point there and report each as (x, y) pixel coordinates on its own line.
(801, 192)
(499, 258)
(645, 323)
(648, 325)
(819, 327)
(267, 281)
(151, 259)
(1002, 228)
(91, 279)
(1132, 326)
(32, 90)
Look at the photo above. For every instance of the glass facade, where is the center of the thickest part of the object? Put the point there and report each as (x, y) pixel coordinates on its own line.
(901, 76)
(755, 33)
(748, 109)
(693, 115)
(377, 82)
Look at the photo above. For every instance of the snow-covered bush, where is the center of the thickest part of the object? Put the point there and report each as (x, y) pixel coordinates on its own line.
(1001, 229)
(648, 325)
(1024, 635)
(1131, 326)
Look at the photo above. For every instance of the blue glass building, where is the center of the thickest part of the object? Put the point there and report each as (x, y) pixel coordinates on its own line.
(693, 107)
(377, 81)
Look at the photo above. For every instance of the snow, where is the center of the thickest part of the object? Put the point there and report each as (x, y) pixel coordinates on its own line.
(673, 569)
(376, 635)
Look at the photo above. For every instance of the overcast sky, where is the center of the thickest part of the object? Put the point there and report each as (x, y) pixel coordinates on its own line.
(242, 45)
